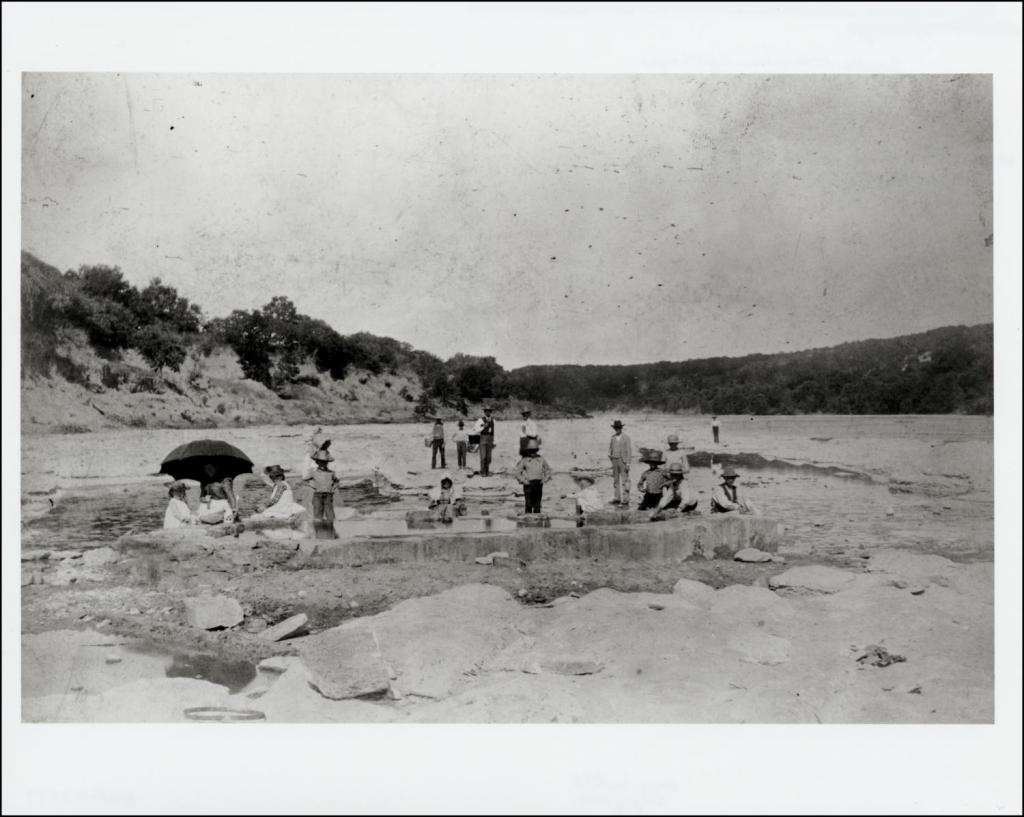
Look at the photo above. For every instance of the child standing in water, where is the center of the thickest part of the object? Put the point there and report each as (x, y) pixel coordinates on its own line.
(323, 481)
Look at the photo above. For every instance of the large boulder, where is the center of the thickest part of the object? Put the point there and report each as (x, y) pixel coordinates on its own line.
(213, 612)
(345, 663)
(695, 592)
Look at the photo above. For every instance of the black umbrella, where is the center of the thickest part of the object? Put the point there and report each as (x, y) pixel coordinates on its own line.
(187, 461)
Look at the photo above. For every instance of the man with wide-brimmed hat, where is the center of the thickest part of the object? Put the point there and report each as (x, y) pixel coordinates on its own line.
(725, 496)
(620, 452)
(528, 431)
(653, 480)
(486, 426)
(675, 493)
(676, 454)
(532, 472)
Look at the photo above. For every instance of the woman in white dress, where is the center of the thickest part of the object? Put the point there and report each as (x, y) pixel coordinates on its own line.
(178, 513)
(282, 504)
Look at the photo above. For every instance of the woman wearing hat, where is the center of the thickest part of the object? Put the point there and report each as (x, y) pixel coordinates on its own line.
(675, 494)
(178, 513)
(725, 496)
(620, 452)
(653, 481)
(528, 431)
(281, 504)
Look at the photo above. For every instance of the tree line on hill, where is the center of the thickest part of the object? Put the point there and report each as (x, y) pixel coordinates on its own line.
(947, 370)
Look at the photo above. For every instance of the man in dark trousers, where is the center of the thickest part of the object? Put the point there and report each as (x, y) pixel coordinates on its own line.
(437, 443)
(486, 441)
(532, 472)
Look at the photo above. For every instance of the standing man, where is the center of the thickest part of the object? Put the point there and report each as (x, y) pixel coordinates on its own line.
(528, 432)
(620, 452)
(714, 426)
(461, 440)
(533, 471)
(486, 442)
(675, 455)
(437, 443)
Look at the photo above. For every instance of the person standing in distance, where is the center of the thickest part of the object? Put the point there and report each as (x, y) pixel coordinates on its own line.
(437, 443)
(461, 440)
(528, 431)
(620, 452)
(714, 426)
(486, 441)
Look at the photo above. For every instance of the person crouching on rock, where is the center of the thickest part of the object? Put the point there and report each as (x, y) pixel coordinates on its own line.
(588, 498)
(675, 494)
(653, 481)
(217, 500)
(178, 513)
(725, 497)
(532, 472)
(446, 500)
(324, 482)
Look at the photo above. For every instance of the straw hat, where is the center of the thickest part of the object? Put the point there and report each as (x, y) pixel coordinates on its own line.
(654, 456)
(322, 456)
(525, 412)
(673, 438)
(676, 469)
(274, 471)
(729, 472)
(618, 424)
(532, 445)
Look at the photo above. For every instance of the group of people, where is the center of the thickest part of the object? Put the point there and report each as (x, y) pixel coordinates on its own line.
(662, 486)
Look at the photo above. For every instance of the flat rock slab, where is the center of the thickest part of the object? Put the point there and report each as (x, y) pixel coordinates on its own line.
(210, 612)
(288, 627)
(696, 592)
(345, 663)
(100, 556)
(752, 555)
(811, 579)
(760, 648)
(571, 666)
(909, 565)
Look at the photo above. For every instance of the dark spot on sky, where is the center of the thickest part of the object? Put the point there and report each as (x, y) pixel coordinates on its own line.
(31, 96)
(172, 127)
(553, 258)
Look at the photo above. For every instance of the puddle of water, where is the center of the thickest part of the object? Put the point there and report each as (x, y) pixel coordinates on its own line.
(235, 675)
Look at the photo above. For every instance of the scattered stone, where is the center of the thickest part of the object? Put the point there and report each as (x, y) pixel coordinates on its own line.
(760, 581)
(100, 556)
(301, 594)
(113, 659)
(255, 625)
(900, 584)
(353, 605)
(35, 556)
(781, 560)
(277, 663)
(811, 579)
(752, 555)
(521, 593)
(135, 611)
(308, 547)
(212, 612)
(26, 579)
(877, 656)
(656, 606)
(284, 629)
(890, 511)
(64, 555)
(915, 691)
(695, 592)
(572, 667)
(345, 663)
(917, 590)
(574, 595)
(490, 557)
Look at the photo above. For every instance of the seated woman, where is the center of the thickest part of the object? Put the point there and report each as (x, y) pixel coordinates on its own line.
(281, 504)
(178, 513)
(588, 498)
(446, 500)
(217, 501)
(675, 493)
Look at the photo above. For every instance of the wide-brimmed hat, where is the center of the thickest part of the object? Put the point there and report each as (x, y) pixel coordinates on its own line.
(449, 480)
(729, 471)
(653, 456)
(676, 469)
(532, 445)
(322, 456)
(673, 438)
(175, 487)
(526, 411)
(461, 424)
(488, 408)
(274, 471)
(618, 424)
(584, 478)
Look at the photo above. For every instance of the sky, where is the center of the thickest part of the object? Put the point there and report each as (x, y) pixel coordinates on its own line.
(573, 218)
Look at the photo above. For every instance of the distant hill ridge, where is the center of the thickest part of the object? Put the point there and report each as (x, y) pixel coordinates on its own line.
(98, 352)
(941, 371)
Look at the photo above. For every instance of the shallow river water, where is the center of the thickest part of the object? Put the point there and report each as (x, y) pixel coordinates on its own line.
(835, 482)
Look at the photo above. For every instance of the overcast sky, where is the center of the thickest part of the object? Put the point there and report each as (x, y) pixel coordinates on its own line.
(539, 219)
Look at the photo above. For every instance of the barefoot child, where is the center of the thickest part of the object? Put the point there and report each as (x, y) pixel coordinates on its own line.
(323, 481)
